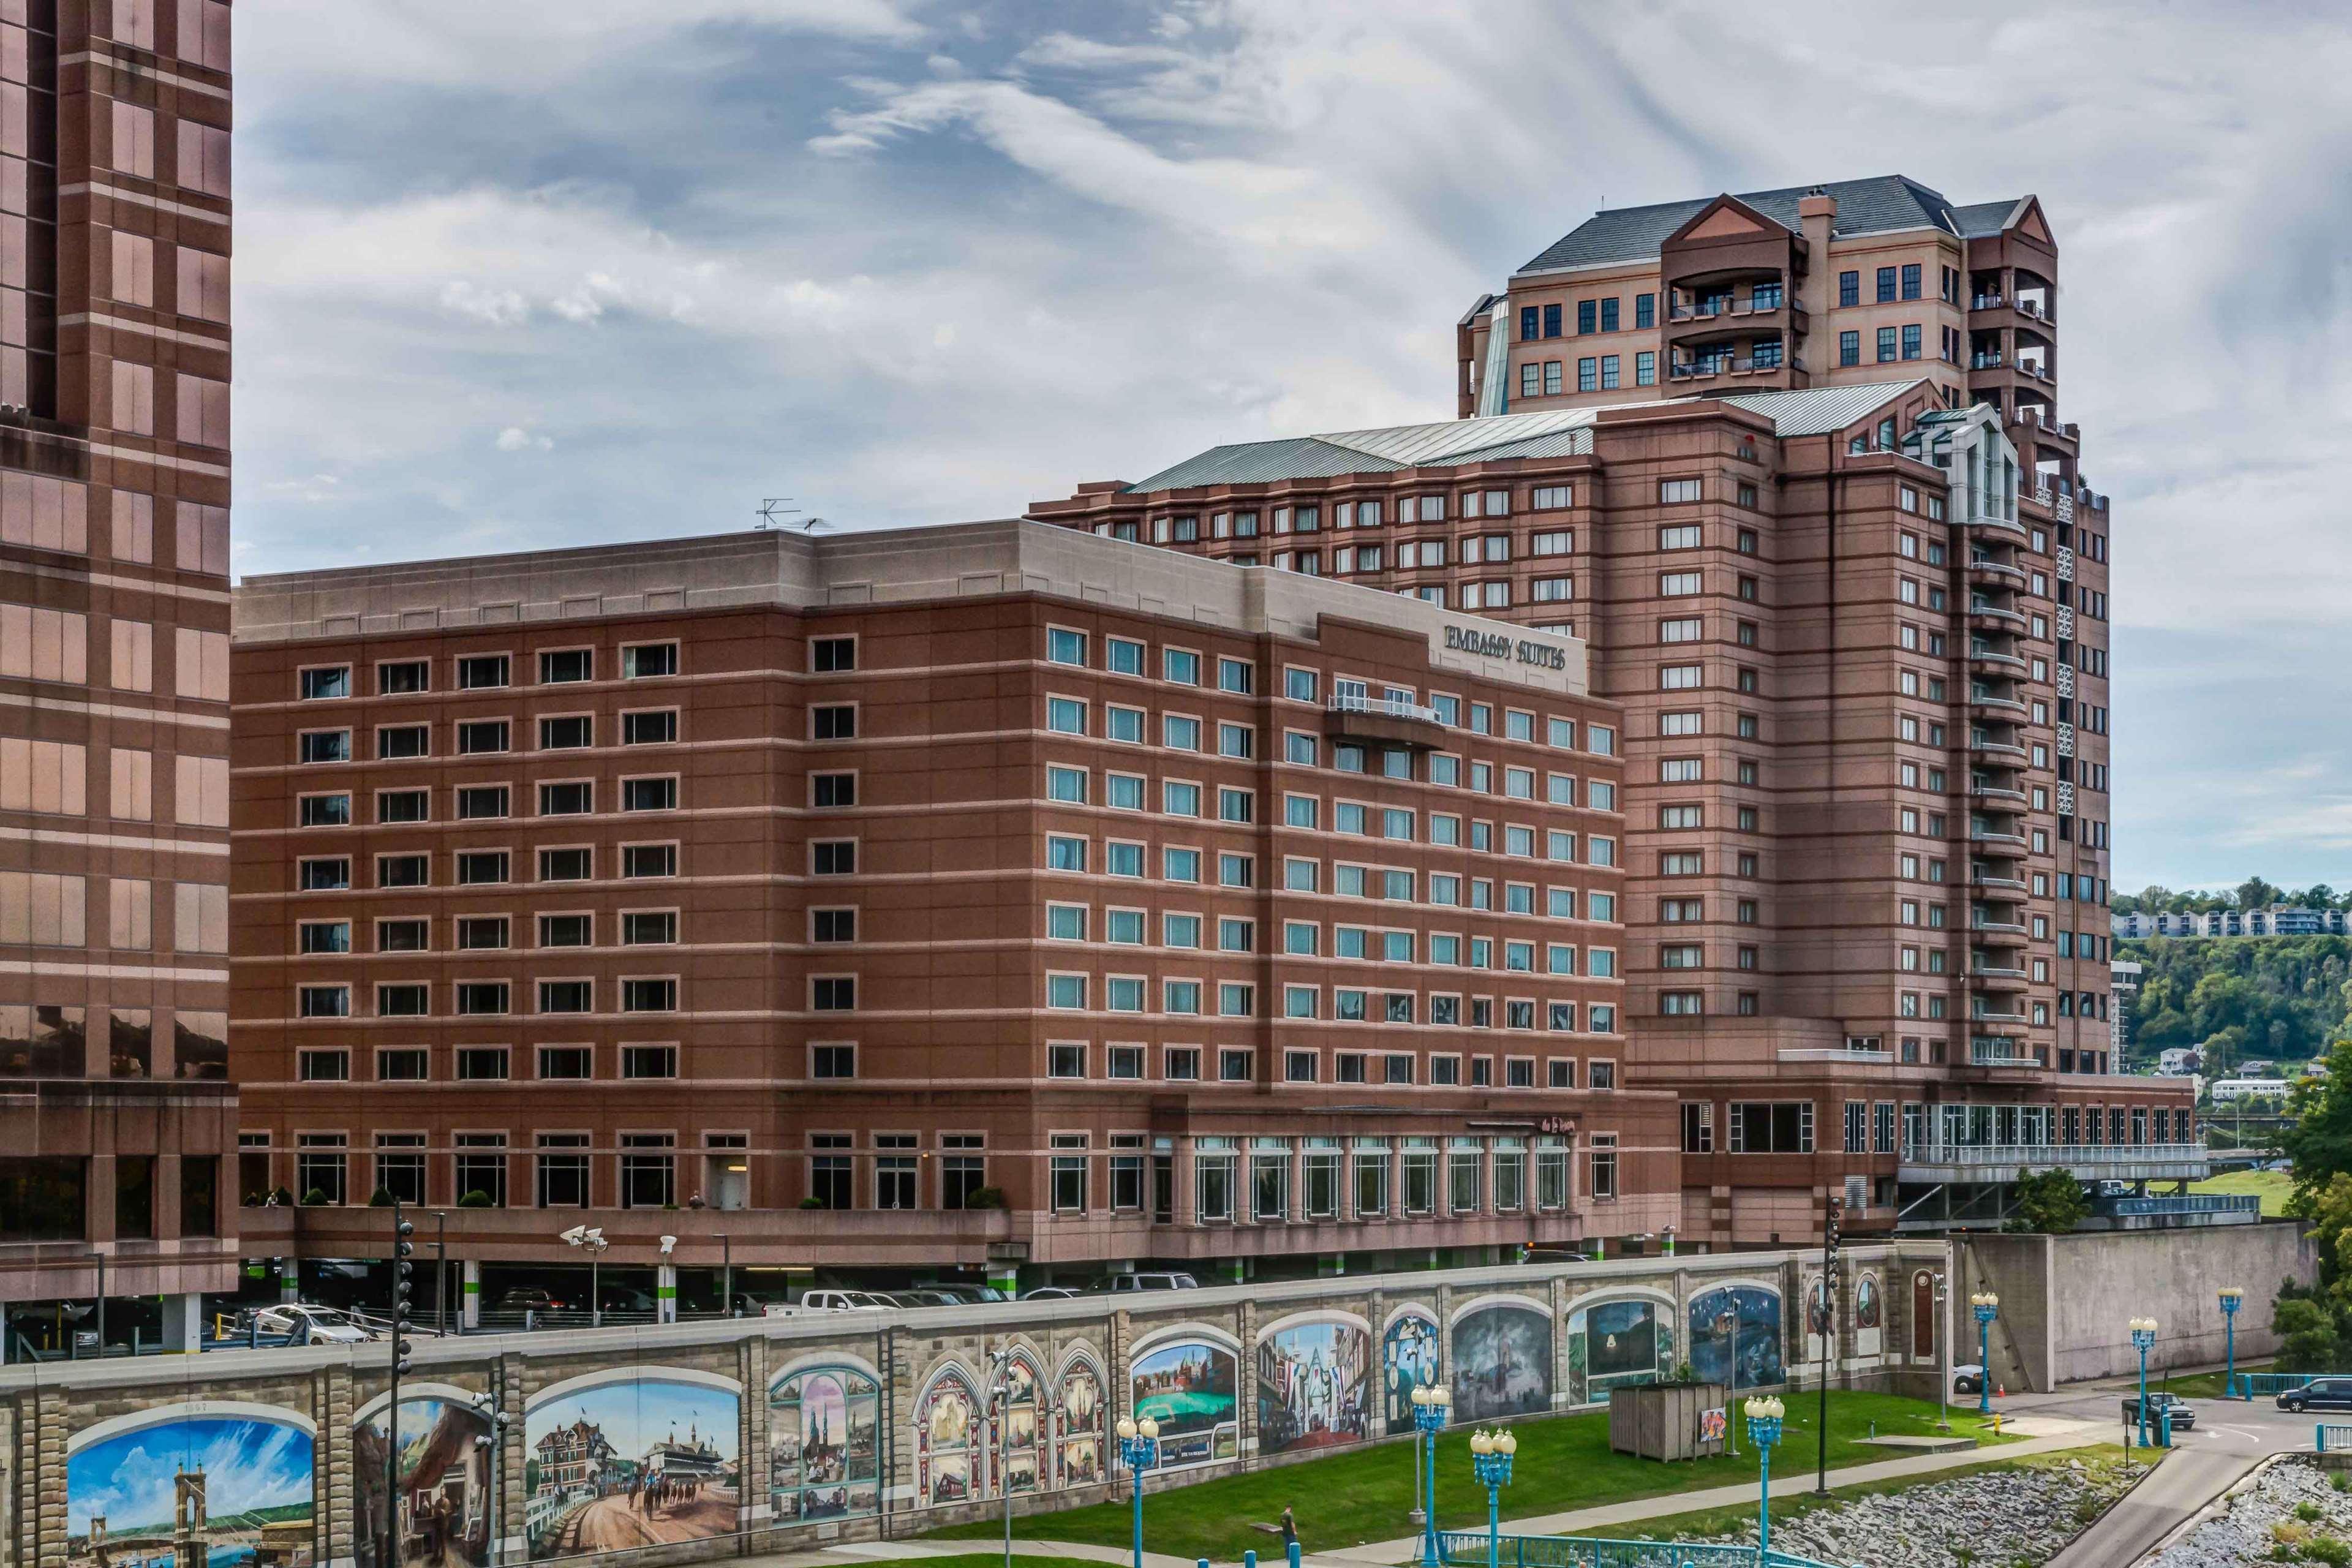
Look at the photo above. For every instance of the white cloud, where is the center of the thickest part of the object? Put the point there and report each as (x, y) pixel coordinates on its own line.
(515, 439)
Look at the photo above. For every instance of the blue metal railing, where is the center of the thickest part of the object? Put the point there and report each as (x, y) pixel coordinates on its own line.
(2327, 1433)
(2186, 1203)
(2255, 1384)
(1468, 1548)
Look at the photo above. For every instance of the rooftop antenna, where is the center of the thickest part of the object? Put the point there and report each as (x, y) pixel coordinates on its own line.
(774, 509)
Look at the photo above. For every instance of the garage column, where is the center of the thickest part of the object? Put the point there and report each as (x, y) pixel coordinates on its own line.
(469, 1310)
(184, 1323)
(666, 1293)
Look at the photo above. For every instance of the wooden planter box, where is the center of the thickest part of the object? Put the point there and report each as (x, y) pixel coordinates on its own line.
(1663, 1420)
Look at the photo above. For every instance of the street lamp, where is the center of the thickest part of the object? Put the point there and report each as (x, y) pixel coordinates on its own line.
(1432, 1407)
(2232, 1299)
(2143, 1334)
(1490, 1457)
(1138, 1445)
(1988, 1306)
(1764, 1430)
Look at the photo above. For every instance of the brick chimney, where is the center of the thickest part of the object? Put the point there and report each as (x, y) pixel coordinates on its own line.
(1816, 216)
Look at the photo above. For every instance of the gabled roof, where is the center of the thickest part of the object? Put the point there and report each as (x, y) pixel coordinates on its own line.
(1875, 205)
(1564, 432)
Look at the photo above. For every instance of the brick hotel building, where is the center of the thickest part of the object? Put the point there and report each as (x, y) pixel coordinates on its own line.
(1789, 465)
(115, 1110)
(844, 884)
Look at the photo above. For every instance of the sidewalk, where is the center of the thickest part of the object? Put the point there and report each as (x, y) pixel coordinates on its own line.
(2056, 1436)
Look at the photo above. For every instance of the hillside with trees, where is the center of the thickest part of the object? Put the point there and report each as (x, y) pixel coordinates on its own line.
(2253, 893)
(2282, 999)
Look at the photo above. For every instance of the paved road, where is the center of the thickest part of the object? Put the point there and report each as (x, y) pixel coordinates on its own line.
(610, 1524)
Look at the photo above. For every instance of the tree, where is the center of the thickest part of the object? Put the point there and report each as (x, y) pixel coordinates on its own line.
(2319, 1140)
(2050, 1204)
(2253, 893)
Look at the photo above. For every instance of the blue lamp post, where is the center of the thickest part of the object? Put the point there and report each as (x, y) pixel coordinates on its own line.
(1764, 1431)
(1490, 1457)
(1138, 1445)
(1433, 1407)
(2143, 1334)
(2232, 1299)
(1986, 1307)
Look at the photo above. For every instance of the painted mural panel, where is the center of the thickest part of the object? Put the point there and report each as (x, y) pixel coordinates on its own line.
(1613, 1344)
(1023, 1436)
(1735, 1336)
(1083, 1413)
(824, 1444)
(1820, 1317)
(188, 1488)
(1189, 1388)
(1502, 1362)
(1311, 1390)
(1408, 1357)
(643, 1460)
(444, 1489)
(948, 1442)
(1869, 1315)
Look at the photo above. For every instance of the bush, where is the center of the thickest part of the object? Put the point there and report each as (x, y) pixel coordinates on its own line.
(2307, 1511)
(986, 1198)
(476, 1199)
(2328, 1550)
(315, 1198)
(812, 1203)
(381, 1198)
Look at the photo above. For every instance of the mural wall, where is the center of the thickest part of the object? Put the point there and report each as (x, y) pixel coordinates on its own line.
(1082, 1415)
(823, 1444)
(213, 1483)
(1408, 1356)
(1819, 1316)
(1869, 1314)
(1311, 1391)
(630, 1459)
(1735, 1336)
(1613, 1345)
(443, 1485)
(1189, 1386)
(1502, 1360)
(950, 1455)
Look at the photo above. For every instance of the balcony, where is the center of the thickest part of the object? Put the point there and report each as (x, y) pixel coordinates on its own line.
(1382, 721)
(1987, 609)
(1729, 364)
(1984, 879)
(1995, 971)
(1987, 301)
(1979, 697)
(1993, 360)
(1987, 565)
(1833, 1053)
(2002, 928)
(1997, 792)
(2005, 1163)
(1988, 1015)
(1979, 655)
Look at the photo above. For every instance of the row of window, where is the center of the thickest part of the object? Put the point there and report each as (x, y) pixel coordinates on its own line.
(477, 868)
(1596, 315)
(1602, 373)
(41, 643)
(1067, 992)
(1238, 1063)
(1177, 863)
(491, 933)
(484, 1063)
(483, 803)
(1307, 518)
(486, 671)
(483, 737)
(489, 998)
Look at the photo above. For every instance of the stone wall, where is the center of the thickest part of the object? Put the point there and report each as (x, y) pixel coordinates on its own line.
(2067, 1301)
(702, 1439)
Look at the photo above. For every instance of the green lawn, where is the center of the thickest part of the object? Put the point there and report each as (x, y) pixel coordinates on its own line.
(1564, 1462)
(992, 1560)
(2208, 1384)
(2272, 1187)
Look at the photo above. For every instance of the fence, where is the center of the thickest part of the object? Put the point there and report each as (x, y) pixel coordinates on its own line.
(1469, 1547)
(2340, 1436)
(2255, 1384)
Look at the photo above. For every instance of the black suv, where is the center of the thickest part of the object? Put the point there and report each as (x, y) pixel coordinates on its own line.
(2319, 1394)
(2184, 1415)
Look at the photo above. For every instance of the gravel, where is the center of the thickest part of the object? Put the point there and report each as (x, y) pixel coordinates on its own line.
(1999, 1519)
(2261, 1523)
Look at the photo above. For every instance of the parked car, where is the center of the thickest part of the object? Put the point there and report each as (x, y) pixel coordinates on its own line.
(1050, 1293)
(2319, 1394)
(627, 1298)
(847, 1301)
(928, 1298)
(2184, 1415)
(529, 1298)
(1968, 1379)
(1119, 1284)
(301, 1323)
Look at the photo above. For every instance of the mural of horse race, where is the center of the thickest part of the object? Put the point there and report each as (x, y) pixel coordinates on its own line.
(1310, 1385)
(216, 1484)
(627, 1459)
(1189, 1386)
(1502, 1360)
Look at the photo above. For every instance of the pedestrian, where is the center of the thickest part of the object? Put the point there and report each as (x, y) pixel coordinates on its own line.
(1289, 1532)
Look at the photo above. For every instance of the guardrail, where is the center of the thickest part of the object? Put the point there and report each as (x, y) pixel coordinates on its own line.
(2186, 1203)
(2254, 1384)
(2343, 1436)
(1468, 1547)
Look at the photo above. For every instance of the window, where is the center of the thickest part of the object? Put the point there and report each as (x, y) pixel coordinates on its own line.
(650, 659)
(1911, 341)
(1646, 366)
(324, 685)
(568, 732)
(652, 728)
(1910, 280)
(565, 664)
(649, 794)
(1587, 375)
(478, 672)
(324, 1066)
(481, 735)
(834, 722)
(1886, 336)
(661, 859)
(1064, 646)
(1674, 492)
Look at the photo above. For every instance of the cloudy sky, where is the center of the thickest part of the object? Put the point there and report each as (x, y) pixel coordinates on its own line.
(521, 272)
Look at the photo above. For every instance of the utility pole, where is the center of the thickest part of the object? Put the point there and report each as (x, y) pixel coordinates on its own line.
(402, 1271)
(1829, 1339)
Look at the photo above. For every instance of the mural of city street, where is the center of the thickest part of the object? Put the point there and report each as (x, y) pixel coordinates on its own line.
(1310, 1386)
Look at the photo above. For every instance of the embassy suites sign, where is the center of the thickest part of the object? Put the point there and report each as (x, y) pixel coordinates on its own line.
(1495, 645)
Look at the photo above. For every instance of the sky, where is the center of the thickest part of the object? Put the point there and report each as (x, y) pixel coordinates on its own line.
(535, 272)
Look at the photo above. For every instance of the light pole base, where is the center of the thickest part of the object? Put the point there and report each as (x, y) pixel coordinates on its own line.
(1415, 1515)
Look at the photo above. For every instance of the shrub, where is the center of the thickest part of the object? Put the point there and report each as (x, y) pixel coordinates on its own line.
(381, 1198)
(2328, 1550)
(2307, 1511)
(985, 1198)
(315, 1198)
(812, 1203)
(476, 1199)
